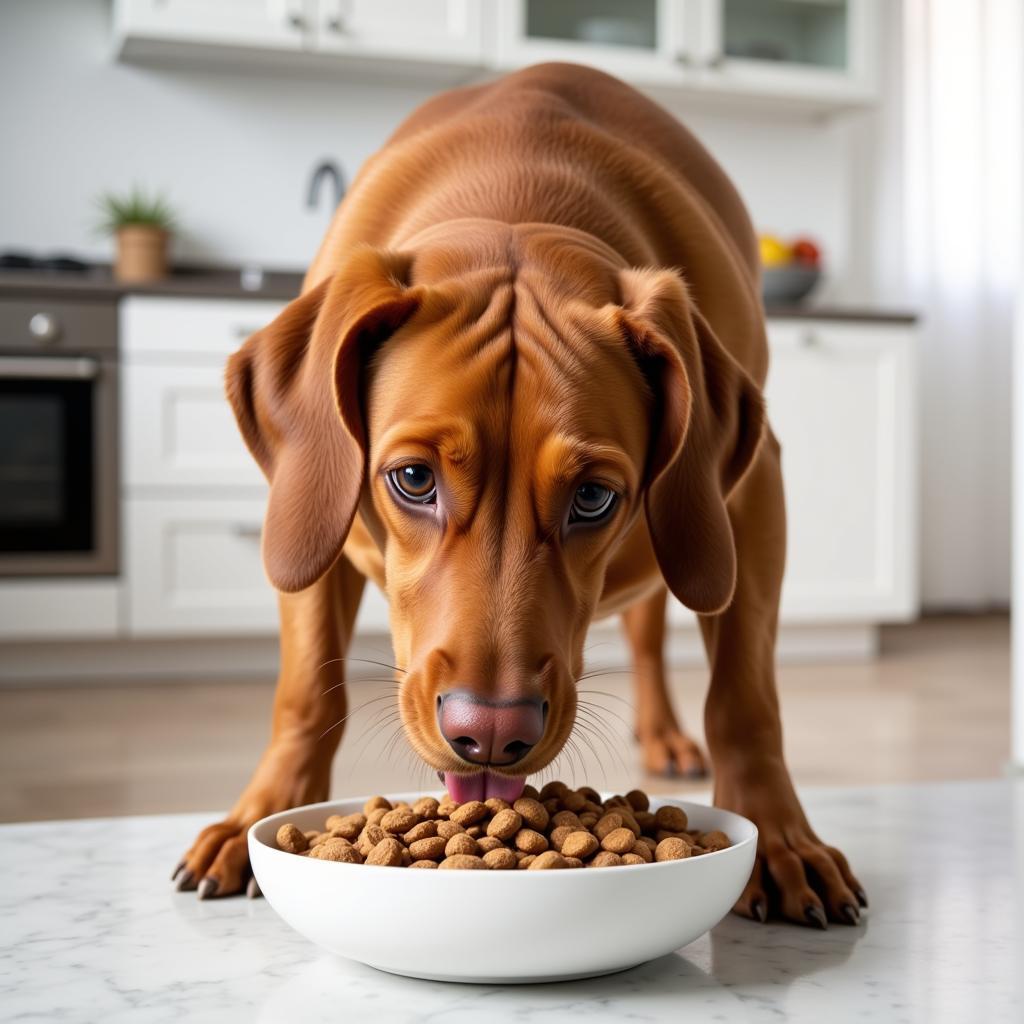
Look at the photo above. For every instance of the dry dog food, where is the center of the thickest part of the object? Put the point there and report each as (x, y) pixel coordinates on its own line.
(557, 827)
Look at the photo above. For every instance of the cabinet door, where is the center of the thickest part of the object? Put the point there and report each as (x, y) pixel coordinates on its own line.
(270, 24)
(820, 49)
(841, 400)
(168, 330)
(642, 40)
(193, 566)
(426, 30)
(179, 430)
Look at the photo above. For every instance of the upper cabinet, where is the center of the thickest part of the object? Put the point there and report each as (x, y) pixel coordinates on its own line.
(438, 32)
(639, 40)
(788, 47)
(811, 54)
(266, 24)
(433, 30)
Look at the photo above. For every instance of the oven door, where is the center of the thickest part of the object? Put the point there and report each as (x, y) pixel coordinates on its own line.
(58, 480)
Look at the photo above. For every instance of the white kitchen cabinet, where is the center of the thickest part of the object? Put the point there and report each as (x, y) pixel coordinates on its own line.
(434, 30)
(642, 40)
(815, 55)
(266, 24)
(192, 565)
(180, 431)
(424, 31)
(193, 497)
(165, 331)
(841, 399)
(815, 52)
(821, 48)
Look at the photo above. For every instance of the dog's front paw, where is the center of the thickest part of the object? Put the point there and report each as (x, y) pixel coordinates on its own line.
(796, 876)
(217, 864)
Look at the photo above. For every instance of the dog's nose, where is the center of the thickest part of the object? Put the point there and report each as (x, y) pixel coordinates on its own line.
(490, 732)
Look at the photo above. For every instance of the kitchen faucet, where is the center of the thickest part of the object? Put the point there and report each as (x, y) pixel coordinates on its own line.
(325, 169)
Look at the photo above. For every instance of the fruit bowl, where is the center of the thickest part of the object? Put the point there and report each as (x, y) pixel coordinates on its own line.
(790, 283)
(501, 926)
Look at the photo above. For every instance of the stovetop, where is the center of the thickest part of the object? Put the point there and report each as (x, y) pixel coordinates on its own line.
(58, 263)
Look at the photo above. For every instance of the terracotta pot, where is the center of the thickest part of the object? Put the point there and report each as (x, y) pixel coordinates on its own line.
(141, 253)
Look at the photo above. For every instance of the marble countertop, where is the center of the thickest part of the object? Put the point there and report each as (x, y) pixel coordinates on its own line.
(90, 929)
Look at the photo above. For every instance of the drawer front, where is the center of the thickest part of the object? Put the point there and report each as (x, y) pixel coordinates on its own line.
(194, 566)
(176, 327)
(179, 429)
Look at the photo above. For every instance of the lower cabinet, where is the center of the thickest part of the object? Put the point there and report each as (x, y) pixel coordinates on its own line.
(193, 566)
(840, 395)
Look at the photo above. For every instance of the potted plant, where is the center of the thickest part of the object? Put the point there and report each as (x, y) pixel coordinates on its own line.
(142, 226)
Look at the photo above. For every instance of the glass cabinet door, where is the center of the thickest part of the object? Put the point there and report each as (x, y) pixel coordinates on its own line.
(635, 39)
(814, 33)
(604, 22)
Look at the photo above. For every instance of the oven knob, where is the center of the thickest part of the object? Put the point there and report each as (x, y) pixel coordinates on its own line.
(44, 327)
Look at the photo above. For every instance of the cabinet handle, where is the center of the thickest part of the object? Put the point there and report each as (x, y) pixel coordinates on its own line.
(716, 60)
(242, 331)
(810, 340)
(683, 59)
(335, 24)
(248, 531)
(296, 21)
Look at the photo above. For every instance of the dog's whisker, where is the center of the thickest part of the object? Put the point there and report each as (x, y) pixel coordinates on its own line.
(592, 706)
(586, 739)
(613, 748)
(598, 714)
(365, 703)
(600, 730)
(608, 670)
(392, 716)
(364, 661)
(606, 693)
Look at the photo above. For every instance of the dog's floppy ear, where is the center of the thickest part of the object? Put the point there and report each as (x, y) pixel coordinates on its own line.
(295, 390)
(706, 428)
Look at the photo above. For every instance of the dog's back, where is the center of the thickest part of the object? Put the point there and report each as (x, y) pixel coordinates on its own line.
(568, 145)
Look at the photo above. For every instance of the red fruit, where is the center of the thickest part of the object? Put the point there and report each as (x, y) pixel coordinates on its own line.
(806, 253)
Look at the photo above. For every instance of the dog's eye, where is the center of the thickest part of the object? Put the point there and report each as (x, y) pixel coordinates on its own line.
(592, 502)
(415, 483)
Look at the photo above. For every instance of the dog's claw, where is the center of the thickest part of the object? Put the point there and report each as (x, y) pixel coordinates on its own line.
(816, 917)
(851, 915)
(208, 888)
(186, 881)
(758, 911)
(862, 897)
(252, 890)
(177, 871)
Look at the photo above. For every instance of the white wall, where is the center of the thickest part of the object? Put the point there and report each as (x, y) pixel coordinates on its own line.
(234, 150)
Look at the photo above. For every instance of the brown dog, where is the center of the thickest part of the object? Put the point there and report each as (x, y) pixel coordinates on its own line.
(521, 390)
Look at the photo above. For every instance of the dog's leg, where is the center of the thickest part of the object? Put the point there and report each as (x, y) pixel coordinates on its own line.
(796, 874)
(665, 747)
(308, 705)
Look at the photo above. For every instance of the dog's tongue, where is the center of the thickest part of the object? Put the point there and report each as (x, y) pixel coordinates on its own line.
(483, 785)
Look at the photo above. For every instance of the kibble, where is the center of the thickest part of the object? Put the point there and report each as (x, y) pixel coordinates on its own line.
(556, 828)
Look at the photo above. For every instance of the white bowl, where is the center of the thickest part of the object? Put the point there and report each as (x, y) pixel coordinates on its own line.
(501, 926)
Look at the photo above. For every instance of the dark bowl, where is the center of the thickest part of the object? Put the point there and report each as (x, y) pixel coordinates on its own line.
(791, 283)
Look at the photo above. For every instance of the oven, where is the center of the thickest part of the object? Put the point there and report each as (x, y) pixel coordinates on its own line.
(58, 437)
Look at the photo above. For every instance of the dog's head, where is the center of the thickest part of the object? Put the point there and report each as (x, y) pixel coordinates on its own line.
(503, 407)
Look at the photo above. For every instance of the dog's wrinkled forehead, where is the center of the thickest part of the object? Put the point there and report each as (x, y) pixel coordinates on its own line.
(526, 346)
